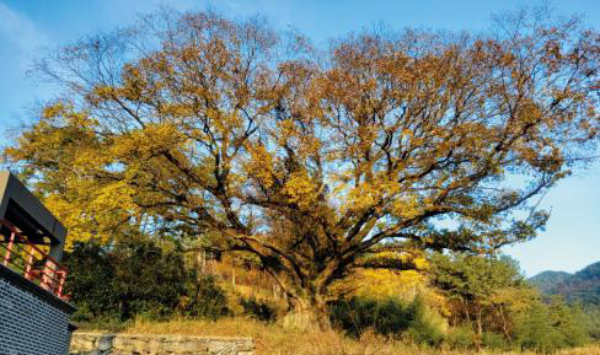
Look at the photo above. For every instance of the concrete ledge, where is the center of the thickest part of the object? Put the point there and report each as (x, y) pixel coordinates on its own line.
(130, 344)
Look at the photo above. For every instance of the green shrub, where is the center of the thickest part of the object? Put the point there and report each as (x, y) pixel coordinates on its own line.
(570, 321)
(358, 314)
(391, 318)
(205, 299)
(591, 316)
(460, 338)
(426, 326)
(258, 309)
(138, 279)
(495, 341)
(548, 328)
(535, 332)
(91, 276)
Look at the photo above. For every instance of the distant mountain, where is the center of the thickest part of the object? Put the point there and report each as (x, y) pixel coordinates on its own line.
(582, 286)
(548, 280)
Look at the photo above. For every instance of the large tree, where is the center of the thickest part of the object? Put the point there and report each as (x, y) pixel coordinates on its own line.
(313, 160)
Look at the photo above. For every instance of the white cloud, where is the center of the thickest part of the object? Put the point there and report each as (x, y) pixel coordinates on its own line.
(18, 34)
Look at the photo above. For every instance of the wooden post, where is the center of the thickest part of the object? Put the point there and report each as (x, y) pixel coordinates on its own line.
(61, 284)
(11, 243)
(48, 276)
(30, 260)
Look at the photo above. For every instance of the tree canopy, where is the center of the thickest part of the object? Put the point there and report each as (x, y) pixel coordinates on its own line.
(317, 161)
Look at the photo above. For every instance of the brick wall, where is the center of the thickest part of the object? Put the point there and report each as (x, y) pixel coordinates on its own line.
(32, 321)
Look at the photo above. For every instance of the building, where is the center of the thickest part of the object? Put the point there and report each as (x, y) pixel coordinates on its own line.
(34, 311)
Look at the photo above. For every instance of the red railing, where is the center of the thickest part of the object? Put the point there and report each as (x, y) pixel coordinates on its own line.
(29, 260)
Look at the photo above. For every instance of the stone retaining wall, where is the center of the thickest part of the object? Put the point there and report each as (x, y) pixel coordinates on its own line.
(134, 344)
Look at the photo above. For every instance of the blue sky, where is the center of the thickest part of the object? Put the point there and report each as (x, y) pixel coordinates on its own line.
(572, 237)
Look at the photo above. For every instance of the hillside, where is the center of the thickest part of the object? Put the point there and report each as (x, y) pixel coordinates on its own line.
(582, 286)
(548, 280)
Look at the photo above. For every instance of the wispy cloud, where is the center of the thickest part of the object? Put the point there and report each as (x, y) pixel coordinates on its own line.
(18, 31)
(20, 41)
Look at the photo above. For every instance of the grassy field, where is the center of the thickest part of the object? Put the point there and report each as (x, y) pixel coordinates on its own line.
(274, 340)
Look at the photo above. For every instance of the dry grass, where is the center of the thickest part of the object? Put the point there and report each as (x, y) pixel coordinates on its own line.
(591, 350)
(274, 340)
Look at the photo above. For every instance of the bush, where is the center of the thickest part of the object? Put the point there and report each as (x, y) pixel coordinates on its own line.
(534, 331)
(205, 299)
(495, 341)
(461, 338)
(592, 321)
(391, 318)
(427, 326)
(259, 310)
(358, 314)
(91, 275)
(133, 279)
(548, 328)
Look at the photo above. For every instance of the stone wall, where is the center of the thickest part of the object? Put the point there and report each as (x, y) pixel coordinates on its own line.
(132, 344)
(32, 320)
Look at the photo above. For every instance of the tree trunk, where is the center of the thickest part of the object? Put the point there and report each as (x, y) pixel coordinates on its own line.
(505, 327)
(479, 321)
(466, 308)
(307, 314)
